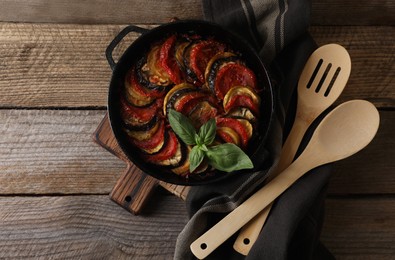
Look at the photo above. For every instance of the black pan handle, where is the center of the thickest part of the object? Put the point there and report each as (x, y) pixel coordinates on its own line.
(118, 39)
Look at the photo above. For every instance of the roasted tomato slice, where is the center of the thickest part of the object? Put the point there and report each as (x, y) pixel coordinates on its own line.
(181, 102)
(242, 101)
(133, 95)
(237, 126)
(151, 72)
(174, 93)
(214, 60)
(228, 135)
(168, 60)
(193, 103)
(153, 144)
(137, 116)
(166, 152)
(201, 113)
(241, 91)
(200, 55)
(233, 75)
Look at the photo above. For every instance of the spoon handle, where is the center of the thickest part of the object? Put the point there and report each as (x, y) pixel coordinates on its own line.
(249, 233)
(229, 225)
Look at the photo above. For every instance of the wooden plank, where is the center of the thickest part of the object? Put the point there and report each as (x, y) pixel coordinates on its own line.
(51, 151)
(88, 227)
(324, 12)
(99, 11)
(368, 171)
(46, 65)
(49, 65)
(372, 51)
(361, 228)
(94, 227)
(353, 12)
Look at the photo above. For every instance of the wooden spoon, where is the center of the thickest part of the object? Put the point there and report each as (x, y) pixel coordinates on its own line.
(344, 131)
(321, 82)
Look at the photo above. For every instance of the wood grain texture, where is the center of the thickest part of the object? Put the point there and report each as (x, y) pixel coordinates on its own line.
(360, 228)
(372, 51)
(95, 228)
(99, 11)
(367, 171)
(51, 151)
(49, 65)
(324, 12)
(88, 227)
(353, 12)
(46, 65)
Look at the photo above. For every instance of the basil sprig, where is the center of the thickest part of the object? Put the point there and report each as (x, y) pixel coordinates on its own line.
(224, 157)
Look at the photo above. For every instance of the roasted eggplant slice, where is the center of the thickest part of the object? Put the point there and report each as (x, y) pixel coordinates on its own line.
(133, 93)
(170, 154)
(176, 91)
(143, 132)
(191, 76)
(216, 65)
(150, 74)
(155, 143)
(242, 113)
(219, 56)
(137, 116)
(182, 168)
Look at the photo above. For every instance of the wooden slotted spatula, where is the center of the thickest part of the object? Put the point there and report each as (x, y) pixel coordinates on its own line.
(321, 82)
(344, 131)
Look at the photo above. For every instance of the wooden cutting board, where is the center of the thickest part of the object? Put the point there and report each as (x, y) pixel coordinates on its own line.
(134, 187)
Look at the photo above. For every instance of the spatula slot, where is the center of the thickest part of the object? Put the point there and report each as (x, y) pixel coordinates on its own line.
(328, 68)
(328, 90)
(317, 68)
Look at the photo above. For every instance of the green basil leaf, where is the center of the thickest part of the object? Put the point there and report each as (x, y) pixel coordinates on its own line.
(228, 157)
(207, 132)
(182, 127)
(196, 157)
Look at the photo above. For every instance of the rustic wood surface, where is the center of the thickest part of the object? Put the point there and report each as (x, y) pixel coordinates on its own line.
(55, 182)
(47, 65)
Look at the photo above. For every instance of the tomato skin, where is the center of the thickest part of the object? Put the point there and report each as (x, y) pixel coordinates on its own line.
(201, 53)
(167, 59)
(167, 151)
(184, 102)
(233, 75)
(242, 101)
(237, 126)
(154, 141)
(140, 115)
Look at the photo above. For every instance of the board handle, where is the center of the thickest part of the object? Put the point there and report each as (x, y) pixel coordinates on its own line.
(133, 189)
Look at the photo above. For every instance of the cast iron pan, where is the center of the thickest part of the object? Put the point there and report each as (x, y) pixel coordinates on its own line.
(141, 46)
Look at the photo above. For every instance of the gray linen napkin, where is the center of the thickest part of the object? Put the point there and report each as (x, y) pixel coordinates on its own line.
(277, 30)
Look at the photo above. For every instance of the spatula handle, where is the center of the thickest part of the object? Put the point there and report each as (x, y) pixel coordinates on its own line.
(229, 225)
(249, 233)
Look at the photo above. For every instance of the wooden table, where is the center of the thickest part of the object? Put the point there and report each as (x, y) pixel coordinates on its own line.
(54, 181)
